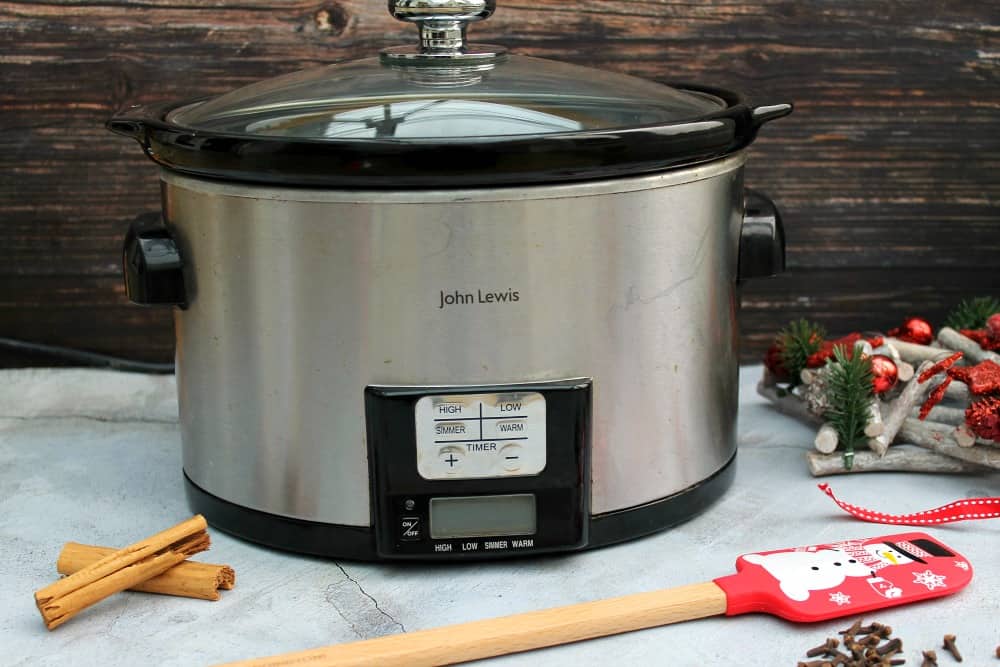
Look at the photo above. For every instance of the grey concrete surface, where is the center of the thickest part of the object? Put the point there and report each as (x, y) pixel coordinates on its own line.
(94, 456)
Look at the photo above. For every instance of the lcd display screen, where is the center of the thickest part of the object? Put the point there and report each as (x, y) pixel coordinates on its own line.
(483, 516)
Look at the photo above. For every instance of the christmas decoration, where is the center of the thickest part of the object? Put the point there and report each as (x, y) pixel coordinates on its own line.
(847, 343)
(973, 313)
(850, 391)
(934, 398)
(988, 337)
(942, 365)
(981, 379)
(884, 373)
(773, 362)
(797, 342)
(865, 395)
(993, 325)
(914, 330)
(983, 418)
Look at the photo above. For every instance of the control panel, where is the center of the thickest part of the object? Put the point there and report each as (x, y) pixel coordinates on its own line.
(479, 472)
(466, 436)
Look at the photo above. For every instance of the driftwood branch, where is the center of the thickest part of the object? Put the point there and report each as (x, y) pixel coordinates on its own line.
(958, 392)
(917, 354)
(899, 409)
(786, 403)
(940, 438)
(826, 440)
(901, 458)
(971, 350)
(943, 415)
(875, 426)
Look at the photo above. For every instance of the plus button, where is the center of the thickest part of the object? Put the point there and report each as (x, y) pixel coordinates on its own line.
(451, 460)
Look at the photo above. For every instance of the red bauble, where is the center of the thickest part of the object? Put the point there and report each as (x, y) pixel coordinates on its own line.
(993, 326)
(773, 362)
(884, 373)
(914, 330)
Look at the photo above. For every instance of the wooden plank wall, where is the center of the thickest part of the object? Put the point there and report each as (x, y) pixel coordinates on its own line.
(888, 173)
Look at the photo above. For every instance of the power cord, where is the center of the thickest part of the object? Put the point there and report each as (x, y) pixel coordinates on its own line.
(86, 358)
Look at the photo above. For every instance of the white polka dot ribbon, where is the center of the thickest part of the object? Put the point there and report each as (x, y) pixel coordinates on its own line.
(960, 510)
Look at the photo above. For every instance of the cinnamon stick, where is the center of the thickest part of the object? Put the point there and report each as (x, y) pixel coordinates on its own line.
(188, 579)
(60, 601)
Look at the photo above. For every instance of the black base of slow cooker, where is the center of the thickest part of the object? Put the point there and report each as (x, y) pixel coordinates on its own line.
(358, 543)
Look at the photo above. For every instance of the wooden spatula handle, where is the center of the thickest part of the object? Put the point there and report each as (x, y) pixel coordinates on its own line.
(511, 634)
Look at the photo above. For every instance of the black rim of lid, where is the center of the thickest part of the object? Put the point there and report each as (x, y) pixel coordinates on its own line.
(435, 163)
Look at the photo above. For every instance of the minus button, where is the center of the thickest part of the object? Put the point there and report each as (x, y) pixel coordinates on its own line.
(511, 457)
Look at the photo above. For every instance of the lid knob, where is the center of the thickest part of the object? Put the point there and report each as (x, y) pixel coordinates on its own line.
(442, 10)
(442, 25)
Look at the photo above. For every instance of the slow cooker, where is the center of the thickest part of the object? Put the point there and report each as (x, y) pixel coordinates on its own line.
(451, 303)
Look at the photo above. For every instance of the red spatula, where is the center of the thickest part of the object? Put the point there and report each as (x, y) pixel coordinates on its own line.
(804, 584)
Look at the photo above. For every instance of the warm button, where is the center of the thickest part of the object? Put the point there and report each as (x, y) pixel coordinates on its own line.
(510, 458)
(451, 458)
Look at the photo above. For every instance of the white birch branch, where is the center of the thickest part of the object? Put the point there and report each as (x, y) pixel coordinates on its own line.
(917, 354)
(943, 414)
(940, 438)
(901, 458)
(787, 404)
(974, 354)
(897, 410)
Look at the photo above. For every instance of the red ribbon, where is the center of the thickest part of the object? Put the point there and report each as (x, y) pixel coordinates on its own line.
(960, 510)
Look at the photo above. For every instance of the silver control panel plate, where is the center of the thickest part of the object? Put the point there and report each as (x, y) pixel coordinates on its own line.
(474, 436)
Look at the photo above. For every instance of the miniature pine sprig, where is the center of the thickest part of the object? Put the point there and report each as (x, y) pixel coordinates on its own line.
(973, 313)
(849, 383)
(798, 341)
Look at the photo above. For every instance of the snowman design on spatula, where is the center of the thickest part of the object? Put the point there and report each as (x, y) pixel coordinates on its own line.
(801, 572)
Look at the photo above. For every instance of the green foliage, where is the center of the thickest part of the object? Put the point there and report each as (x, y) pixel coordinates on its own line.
(798, 341)
(973, 313)
(849, 385)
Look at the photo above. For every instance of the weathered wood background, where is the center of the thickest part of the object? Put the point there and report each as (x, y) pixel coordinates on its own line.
(888, 173)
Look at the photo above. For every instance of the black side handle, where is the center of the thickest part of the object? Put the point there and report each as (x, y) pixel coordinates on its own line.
(152, 264)
(762, 239)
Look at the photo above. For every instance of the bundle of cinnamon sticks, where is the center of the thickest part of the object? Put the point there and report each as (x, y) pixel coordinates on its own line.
(157, 564)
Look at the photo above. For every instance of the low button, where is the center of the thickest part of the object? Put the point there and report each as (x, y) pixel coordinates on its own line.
(510, 458)
(450, 458)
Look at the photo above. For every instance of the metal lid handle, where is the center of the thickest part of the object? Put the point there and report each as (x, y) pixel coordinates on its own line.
(442, 25)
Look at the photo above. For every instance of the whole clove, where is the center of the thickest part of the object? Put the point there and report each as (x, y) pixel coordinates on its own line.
(949, 644)
(872, 645)
(856, 628)
(827, 649)
(891, 646)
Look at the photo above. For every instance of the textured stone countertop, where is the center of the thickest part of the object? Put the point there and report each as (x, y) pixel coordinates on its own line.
(94, 456)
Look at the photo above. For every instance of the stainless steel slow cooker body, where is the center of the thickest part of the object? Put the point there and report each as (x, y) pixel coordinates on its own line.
(474, 369)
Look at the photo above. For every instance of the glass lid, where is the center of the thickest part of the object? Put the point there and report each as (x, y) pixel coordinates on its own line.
(384, 98)
(444, 113)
